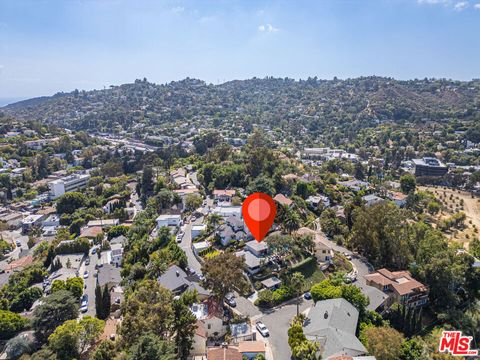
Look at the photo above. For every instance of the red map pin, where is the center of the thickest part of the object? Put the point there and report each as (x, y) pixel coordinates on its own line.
(259, 211)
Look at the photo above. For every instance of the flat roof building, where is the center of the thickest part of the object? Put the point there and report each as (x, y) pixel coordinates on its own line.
(68, 183)
(429, 166)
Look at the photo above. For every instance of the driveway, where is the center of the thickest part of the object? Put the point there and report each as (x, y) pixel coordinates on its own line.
(278, 322)
(91, 283)
(186, 246)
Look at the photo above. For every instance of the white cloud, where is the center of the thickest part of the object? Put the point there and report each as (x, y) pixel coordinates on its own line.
(462, 5)
(477, 6)
(267, 28)
(432, 1)
(177, 10)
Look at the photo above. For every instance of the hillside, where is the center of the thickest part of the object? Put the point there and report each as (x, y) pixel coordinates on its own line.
(313, 103)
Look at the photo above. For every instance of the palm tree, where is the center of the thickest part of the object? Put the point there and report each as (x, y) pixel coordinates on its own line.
(214, 220)
(297, 281)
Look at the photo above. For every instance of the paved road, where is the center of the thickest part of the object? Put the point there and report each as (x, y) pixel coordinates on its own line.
(91, 283)
(278, 323)
(186, 246)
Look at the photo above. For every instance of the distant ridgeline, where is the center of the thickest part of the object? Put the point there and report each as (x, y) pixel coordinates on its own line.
(312, 105)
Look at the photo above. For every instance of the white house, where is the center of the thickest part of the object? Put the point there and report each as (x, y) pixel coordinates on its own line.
(168, 221)
(116, 254)
(197, 230)
(226, 211)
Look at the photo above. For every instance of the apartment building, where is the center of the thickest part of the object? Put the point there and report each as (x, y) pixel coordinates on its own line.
(68, 183)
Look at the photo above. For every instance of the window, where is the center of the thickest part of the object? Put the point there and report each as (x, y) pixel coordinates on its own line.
(209, 326)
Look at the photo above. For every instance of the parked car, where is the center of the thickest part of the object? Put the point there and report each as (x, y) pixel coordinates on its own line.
(230, 300)
(84, 303)
(262, 329)
(85, 274)
(87, 262)
(94, 251)
(348, 256)
(307, 296)
(179, 237)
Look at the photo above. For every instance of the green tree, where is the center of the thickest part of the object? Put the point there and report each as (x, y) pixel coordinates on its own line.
(302, 349)
(146, 181)
(223, 273)
(382, 233)
(261, 184)
(71, 201)
(297, 281)
(151, 347)
(408, 183)
(25, 299)
(193, 201)
(10, 324)
(105, 351)
(18, 346)
(384, 343)
(75, 286)
(147, 309)
(184, 325)
(58, 285)
(73, 337)
(325, 290)
(99, 305)
(54, 310)
(106, 300)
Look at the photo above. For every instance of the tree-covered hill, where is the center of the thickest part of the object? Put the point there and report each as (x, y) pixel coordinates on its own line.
(312, 103)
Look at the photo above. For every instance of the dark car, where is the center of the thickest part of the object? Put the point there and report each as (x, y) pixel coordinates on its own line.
(307, 296)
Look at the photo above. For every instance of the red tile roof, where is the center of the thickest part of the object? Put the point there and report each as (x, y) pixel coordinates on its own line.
(282, 199)
(229, 353)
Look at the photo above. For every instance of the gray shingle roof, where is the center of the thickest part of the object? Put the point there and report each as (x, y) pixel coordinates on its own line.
(333, 323)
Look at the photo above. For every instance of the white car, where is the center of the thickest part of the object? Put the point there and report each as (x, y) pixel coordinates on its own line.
(85, 274)
(262, 329)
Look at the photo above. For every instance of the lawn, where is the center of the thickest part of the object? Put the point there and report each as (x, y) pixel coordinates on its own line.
(312, 273)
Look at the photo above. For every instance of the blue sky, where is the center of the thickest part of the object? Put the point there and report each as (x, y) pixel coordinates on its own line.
(48, 46)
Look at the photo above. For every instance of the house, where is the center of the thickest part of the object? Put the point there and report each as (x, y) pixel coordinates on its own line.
(166, 220)
(227, 211)
(51, 220)
(272, 283)
(333, 323)
(199, 345)
(177, 281)
(400, 287)
(210, 313)
(283, 200)
(119, 240)
(323, 248)
(372, 199)
(223, 195)
(242, 332)
(251, 349)
(109, 275)
(318, 201)
(111, 205)
(355, 185)
(91, 232)
(18, 264)
(257, 248)
(103, 223)
(197, 230)
(253, 264)
(224, 353)
(32, 221)
(400, 199)
(12, 219)
(116, 254)
(198, 247)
